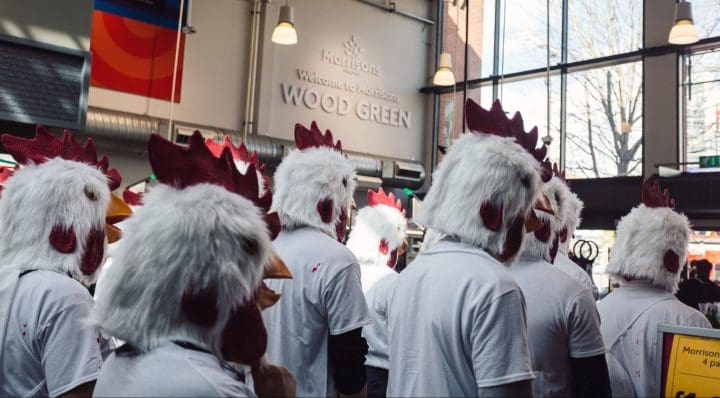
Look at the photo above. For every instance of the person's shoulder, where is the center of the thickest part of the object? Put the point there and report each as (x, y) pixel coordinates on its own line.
(317, 245)
(54, 287)
(213, 377)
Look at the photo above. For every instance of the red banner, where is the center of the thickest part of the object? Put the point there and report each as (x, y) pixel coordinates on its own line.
(135, 57)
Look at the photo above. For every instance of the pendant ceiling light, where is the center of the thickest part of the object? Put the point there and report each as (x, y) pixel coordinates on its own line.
(683, 31)
(444, 75)
(284, 32)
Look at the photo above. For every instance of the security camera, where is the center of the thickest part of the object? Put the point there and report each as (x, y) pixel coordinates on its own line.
(547, 140)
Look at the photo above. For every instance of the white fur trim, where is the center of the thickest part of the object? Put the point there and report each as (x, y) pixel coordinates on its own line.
(181, 241)
(372, 224)
(534, 249)
(572, 214)
(431, 237)
(568, 209)
(643, 237)
(307, 177)
(36, 198)
(479, 168)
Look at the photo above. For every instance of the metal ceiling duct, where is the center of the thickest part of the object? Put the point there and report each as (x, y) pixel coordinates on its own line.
(112, 127)
(131, 131)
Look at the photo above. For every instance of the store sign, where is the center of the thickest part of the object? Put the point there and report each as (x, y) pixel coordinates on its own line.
(352, 96)
(709, 161)
(690, 362)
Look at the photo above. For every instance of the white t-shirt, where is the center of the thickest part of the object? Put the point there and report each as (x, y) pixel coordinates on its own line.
(378, 282)
(562, 322)
(324, 297)
(564, 264)
(48, 350)
(456, 324)
(630, 317)
(168, 371)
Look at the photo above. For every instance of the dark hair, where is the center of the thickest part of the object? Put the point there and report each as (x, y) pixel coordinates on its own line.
(703, 267)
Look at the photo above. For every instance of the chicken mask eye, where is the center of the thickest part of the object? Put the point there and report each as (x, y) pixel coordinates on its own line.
(90, 193)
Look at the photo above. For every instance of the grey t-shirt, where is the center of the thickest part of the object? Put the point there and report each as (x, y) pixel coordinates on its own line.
(48, 349)
(323, 298)
(168, 371)
(563, 323)
(630, 316)
(378, 282)
(456, 324)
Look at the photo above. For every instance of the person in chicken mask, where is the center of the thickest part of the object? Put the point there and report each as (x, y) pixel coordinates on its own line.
(457, 323)
(651, 247)
(56, 213)
(316, 330)
(185, 290)
(568, 220)
(568, 352)
(377, 239)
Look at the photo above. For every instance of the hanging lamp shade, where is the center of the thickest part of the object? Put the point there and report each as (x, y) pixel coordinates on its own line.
(444, 75)
(284, 32)
(683, 30)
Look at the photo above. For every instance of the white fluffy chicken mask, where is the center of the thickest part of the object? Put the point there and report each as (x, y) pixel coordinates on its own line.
(651, 242)
(314, 184)
(192, 263)
(57, 209)
(484, 190)
(543, 244)
(379, 234)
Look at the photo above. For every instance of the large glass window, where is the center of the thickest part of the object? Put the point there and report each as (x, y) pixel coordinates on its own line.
(523, 40)
(602, 28)
(518, 95)
(604, 122)
(706, 16)
(592, 108)
(700, 103)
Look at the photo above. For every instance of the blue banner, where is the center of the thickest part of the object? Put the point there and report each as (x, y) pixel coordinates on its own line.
(156, 12)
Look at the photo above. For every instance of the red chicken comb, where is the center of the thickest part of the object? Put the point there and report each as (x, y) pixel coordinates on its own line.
(5, 173)
(132, 198)
(46, 146)
(495, 122)
(183, 167)
(313, 137)
(380, 198)
(653, 196)
(560, 174)
(239, 152)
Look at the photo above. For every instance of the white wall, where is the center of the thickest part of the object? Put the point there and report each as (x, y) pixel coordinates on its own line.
(214, 75)
(399, 47)
(63, 23)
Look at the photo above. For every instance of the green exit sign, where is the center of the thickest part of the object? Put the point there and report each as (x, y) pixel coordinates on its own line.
(710, 161)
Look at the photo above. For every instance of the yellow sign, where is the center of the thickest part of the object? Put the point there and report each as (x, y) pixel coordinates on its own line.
(694, 367)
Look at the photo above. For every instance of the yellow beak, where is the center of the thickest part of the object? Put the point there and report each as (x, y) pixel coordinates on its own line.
(533, 223)
(117, 211)
(275, 270)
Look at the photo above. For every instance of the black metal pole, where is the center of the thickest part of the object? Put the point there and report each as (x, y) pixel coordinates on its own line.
(465, 74)
(436, 97)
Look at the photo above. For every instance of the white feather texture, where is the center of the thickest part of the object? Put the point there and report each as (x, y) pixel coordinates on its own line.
(479, 168)
(557, 192)
(178, 242)
(306, 177)
(431, 237)
(643, 237)
(373, 224)
(572, 211)
(38, 197)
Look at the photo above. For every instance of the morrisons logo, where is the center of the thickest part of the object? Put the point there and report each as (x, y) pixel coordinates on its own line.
(350, 60)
